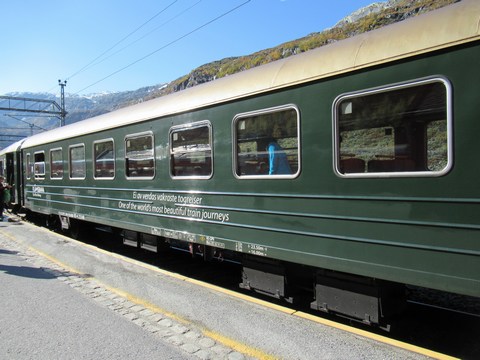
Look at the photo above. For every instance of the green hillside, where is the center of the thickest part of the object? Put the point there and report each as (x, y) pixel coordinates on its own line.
(393, 11)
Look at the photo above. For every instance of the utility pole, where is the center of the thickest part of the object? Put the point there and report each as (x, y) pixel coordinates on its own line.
(62, 101)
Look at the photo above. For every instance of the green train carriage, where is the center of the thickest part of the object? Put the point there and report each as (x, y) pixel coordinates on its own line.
(11, 170)
(378, 189)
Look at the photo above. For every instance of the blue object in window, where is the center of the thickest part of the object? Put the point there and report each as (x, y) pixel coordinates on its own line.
(278, 160)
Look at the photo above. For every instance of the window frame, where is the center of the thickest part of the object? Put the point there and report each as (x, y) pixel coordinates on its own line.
(387, 88)
(41, 175)
(133, 136)
(260, 112)
(186, 127)
(51, 164)
(94, 160)
(70, 168)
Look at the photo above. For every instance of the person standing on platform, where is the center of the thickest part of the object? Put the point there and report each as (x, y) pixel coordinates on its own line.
(4, 193)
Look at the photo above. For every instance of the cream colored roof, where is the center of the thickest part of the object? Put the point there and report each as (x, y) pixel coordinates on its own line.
(449, 26)
(12, 147)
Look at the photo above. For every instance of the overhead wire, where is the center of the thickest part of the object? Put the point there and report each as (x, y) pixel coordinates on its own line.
(166, 45)
(148, 33)
(121, 40)
(93, 62)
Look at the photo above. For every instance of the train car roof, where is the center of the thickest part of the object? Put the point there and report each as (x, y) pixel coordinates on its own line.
(452, 25)
(12, 147)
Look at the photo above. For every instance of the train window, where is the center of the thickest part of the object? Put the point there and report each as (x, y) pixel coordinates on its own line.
(28, 166)
(139, 156)
(77, 161)
(104, 155)
(39, 165)
(191, 150)
(267, 143)
(402, 130)
(56, 164)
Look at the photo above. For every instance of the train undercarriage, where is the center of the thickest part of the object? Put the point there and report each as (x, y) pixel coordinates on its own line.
(361, 299)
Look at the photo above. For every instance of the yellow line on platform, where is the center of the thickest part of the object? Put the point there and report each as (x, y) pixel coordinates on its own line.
(226, 341)
(41, 253)
(235, 345)
(244, 349)
(220, 338)
(376, 337)
(178, 276)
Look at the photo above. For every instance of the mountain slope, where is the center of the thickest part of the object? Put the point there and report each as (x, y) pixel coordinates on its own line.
(368, 18)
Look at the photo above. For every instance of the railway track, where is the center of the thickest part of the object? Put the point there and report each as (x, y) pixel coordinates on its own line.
(473, 313)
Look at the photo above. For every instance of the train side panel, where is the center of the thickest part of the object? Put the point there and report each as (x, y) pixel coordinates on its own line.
(411, 227)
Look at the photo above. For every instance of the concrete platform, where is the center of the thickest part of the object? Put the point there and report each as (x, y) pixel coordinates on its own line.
(47, 275)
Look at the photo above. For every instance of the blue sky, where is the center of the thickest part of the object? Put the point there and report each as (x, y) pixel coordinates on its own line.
(143, 42)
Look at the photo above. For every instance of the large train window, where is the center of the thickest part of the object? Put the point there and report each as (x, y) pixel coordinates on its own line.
(77, 161)
(56, 164)
(402, 130)
(191, 150)
(139, 156)
(39, 165)
(104, 159)
(267, 143)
